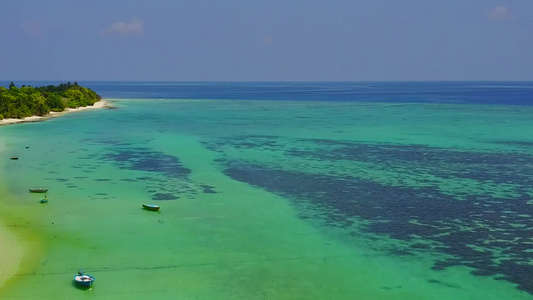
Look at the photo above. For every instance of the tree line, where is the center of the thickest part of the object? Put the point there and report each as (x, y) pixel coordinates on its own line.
(39, 101)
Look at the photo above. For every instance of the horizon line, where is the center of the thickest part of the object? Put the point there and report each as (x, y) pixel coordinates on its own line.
(264, 81)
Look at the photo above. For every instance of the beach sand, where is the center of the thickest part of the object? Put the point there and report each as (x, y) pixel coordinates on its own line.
(99, 104)
(11, 249)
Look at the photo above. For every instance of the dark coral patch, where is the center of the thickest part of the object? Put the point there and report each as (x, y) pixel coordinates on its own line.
(208, 189)
(164, 196)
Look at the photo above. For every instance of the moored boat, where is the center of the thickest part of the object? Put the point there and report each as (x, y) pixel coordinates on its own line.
(38, 190)
(151, 207)
(14, 157)
(83, 279)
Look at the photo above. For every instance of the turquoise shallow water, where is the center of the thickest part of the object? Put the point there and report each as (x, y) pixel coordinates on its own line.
(275, 200)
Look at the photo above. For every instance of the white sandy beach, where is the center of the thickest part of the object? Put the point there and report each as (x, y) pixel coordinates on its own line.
(99, 104)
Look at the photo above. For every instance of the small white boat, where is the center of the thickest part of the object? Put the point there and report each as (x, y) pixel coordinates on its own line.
(152, 207)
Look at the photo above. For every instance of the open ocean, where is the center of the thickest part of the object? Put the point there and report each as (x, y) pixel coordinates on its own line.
(326, 190)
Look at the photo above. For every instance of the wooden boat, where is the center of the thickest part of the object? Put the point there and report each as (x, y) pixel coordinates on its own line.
(151, 207)
(14, 157)
(38, 190)
(83, 279)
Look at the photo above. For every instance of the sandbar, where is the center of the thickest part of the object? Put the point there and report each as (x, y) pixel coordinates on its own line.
(11, 252)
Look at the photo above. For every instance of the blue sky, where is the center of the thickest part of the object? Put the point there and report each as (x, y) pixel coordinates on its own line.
(274, 40)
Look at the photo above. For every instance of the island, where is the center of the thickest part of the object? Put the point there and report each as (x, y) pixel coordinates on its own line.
(29, 104)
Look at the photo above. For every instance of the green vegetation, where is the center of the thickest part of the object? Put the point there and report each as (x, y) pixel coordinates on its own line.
(29, 101)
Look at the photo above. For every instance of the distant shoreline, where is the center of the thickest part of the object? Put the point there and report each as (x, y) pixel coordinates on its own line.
(99, 104)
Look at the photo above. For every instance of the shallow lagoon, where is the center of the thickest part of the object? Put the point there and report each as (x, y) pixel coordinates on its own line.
(274, 200)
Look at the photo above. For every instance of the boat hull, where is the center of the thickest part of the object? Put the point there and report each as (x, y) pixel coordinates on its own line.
(84, 280)
(151, 207)
(38, 190)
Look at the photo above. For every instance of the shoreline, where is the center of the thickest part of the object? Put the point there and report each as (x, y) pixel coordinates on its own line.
(100, 104)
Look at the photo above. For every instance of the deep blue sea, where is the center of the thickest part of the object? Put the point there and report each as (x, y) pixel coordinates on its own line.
(493, 93)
